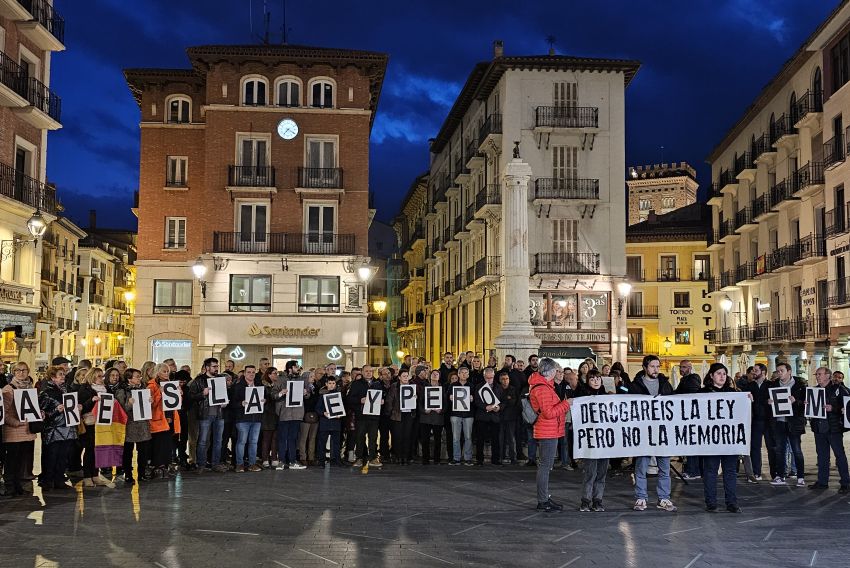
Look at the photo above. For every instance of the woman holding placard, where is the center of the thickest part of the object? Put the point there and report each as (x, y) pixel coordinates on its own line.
(91, 387)
(18, 440)
(57, 438)
(718, 380)
(401, 408)
(138, 433)
(163, 422)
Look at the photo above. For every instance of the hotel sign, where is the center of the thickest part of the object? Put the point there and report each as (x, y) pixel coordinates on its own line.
(255, 330)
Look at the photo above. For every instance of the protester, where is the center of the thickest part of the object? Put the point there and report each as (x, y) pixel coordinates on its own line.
(548, 427)
(403, 419)
(829, 432)
(57, 438)
(461, 423)
(329, 428)
(716, 381)
(431, 422)
(268, 434)
(162, 424)
(595, 470)
(759, 387)
(247, 425)
(487, 419)
(18, 440)
(367, 425)
(788, 431)
(508, 416)
(210, 418)
(650, 382)
(138, 432)
(289, 420)
(310, 423)
(690, 383)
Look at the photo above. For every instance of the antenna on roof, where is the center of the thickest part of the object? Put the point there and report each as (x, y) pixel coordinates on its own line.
(266, 20)
(283, 28)
(550, 39)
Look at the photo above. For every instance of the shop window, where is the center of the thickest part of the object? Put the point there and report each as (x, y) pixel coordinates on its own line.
(318, 294)
(683, 335)
(250, 293)
(172, 297)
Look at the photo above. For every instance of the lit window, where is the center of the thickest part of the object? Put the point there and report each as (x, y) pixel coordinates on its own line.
(250, 293)
(172, 297)
(318, 294)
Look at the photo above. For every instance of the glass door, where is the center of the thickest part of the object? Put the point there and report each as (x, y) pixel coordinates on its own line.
(253, 227)
(320, 237)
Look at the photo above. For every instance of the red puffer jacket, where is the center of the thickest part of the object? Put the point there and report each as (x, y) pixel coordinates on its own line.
(550, 409)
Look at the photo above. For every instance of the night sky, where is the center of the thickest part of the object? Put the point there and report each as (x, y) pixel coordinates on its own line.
(703, 63)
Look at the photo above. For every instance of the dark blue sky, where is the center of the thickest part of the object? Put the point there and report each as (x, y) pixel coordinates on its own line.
(703, 63)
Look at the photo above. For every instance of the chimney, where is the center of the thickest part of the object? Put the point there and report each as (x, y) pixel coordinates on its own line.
(92, 219)
(551, 51)
(651, 217)
(498, 49)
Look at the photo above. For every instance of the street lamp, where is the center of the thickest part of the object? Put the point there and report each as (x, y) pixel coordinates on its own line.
(200, 270)
(379, 306)
(399, 354)
(36, 225)
(667, 344)
(129, 296)
(624, 288)
(365, 272)
(726, 303)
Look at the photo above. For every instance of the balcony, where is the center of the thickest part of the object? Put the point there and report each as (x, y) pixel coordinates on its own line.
(469, 275)
(727, 231)
(491, 127)
(29, 191)
(744, 218)
(565, 263)
(744, 164)
(636, 275)
(46, 29)
(488, 266)
(802, 329)
(781, 258)
(807, 105)
(459, 225)
(810, 249)
(641, 311)
(320, 178)
(566, 117)
(714, 284)
(253, 177)
(448, 234)
(714, 195)
(836, 221)
(461, 171)
(713, 240)
(782, 130)
(745, 274)
(566, 188)
(96, 299)
(782, 194)
(727, 280)
(838, 293)
(727, 181)
(472, 153)
(668, 275)
(808, 179)
(834, 151)
(761, 146)
(283, 243)
(487, 198)
(30, 98)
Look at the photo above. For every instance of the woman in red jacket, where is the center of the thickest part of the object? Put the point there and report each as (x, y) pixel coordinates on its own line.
(548, 427)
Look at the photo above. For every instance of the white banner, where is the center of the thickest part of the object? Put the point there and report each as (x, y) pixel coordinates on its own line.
(433, 398)
(611, 426)
(461, 399)
(105, 408)
(488, 396)
(846, 402)
(172, 395)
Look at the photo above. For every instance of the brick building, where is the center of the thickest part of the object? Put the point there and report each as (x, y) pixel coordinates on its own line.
(29, 33)
(254, 174)
(661, 188)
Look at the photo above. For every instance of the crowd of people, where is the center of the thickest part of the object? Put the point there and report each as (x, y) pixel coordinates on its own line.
(529, 423)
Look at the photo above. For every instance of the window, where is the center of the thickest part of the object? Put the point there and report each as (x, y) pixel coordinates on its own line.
(668, 268)
(645, 204)
(565, 235)
(634, 268)
(682, 335)
(175, 173)
(254, 91)
(321, 170)
(318, 294)
(288, 92)
(320, 221)
(250, 293)
(635, 340)
(253, 162)
(668, 202)
(681, 299)
(253, 227)
(179, 110)
(840, 56)
(702, 265)
(322, 94)
(172, 297)
(175, 232)
(565, 94)
(564, 165)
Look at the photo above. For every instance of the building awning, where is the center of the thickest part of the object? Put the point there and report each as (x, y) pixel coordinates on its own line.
(567, 352)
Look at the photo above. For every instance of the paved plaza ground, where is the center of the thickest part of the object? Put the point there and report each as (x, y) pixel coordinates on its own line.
(416, 516)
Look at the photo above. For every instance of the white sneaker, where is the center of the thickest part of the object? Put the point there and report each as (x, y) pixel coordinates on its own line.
(640, 505)
(275, 463)
(667, 505)
(103, 482)
(801, 482)
(758, 478)
(296, 465)
(778, 481)
(280, 467)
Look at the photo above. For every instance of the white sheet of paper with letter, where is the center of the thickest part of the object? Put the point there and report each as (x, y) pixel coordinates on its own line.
(171, 395)
(407, 397)
(815, 402)
(294, 393)
(72, 413)
(461, 399)
(487, 395)
(105, 408)
(779, 401)
(217, 395)
(26, 405)
(254, 398)
(610, 384)
(334, 405)
(372, 406)
(433, 398)
(141, 404)
(846, 403)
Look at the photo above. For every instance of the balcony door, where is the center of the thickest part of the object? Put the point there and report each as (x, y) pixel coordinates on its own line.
(253, 170)
(320, 229)
(564, 166)
(321, 164)
(253, 227)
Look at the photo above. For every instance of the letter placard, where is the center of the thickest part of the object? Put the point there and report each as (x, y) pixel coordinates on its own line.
(488, 397)
(372, 406)
(610, 385)
(141, 404)
(333, 404)
(846, 403)
(72, 413)
(460, 399)
(815, 402)
(433, 398)
(407, 396)
(105, 406)
(779, 401)
(171, 395)
(26, 405)
(217, 395)
(294, 393)
(254, 398)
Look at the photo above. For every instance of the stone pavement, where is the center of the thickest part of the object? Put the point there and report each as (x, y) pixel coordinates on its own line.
(415, 516)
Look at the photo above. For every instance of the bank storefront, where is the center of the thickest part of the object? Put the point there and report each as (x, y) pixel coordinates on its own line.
(572, 326)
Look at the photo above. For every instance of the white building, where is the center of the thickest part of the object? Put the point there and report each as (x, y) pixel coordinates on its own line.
(566, 118)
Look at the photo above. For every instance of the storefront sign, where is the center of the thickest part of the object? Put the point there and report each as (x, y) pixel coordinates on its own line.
(335, 353)
(256, 330)
(238, 353)
(575, 337)
(8, 294)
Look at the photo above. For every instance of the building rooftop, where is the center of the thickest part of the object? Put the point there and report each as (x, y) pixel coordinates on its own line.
(688, 223)
(662, 171)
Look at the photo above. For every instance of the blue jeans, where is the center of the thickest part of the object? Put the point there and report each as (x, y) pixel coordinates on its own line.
(783, 438)
(823, 443)
(709, 480)
(322, 443)
(249, 432)
(205, 426)
(548, 447)
(465, 424)
(532, 443)
(662, 486)
(287, 440)
(693, 466)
